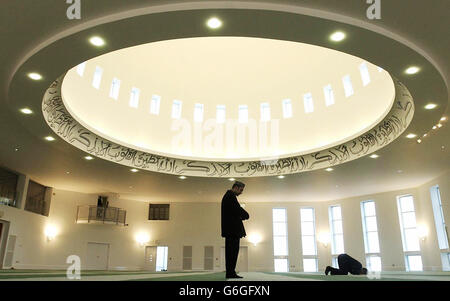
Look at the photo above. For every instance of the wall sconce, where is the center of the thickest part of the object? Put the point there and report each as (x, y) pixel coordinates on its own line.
(422, 232)
(254, 239)
(50, 232)
(142, 239)
(324, 238)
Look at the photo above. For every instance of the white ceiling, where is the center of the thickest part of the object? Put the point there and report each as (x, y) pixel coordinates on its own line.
(421, 30)
(228, 71)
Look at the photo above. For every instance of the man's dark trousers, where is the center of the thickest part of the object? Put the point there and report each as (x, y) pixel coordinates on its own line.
(346, 265)
(231, 254)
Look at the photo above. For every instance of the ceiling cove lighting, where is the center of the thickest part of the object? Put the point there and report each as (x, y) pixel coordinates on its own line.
(410, 136)
(337, 36)
(430, 106)
(89, 158)
(35, 76)
(214, 23)
(26, 111)
(97, 41)
(49, 138)
(412, 70)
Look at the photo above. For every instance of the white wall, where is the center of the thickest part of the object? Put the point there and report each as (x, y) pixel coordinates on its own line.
(198, 225)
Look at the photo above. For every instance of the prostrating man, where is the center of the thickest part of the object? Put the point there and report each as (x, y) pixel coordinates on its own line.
(347, 264)
(233, 229)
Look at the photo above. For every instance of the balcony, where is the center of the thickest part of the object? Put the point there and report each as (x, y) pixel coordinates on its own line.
(101, 215)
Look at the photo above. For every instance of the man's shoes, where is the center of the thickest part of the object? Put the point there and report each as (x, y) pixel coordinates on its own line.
(235, 276)
(327, 270)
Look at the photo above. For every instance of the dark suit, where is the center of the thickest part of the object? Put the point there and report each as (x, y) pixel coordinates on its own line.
(233, 229)
(347, 264)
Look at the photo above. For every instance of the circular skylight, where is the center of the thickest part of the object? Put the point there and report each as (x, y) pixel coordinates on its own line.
(228, 98)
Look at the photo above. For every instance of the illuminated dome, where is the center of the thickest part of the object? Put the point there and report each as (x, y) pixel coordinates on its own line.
(228, 98)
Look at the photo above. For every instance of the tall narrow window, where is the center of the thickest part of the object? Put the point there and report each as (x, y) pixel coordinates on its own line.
(348, 88)
(337, 233)
(287, 108)
(408, 227)
(308, 103)
(441, 227)
(155, 104)
(308, 232)
(365, 77)
(97, 77)
(329, 96)
(220, 114)
(265, 111)
(445, 257)
(280, 242)
(243, 114)
(198, 112)
(115, 86)
(134, 97)
(176, 109)
(80, 68)
(370, 230)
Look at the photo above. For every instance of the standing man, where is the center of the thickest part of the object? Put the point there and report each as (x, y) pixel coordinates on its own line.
(232, 227)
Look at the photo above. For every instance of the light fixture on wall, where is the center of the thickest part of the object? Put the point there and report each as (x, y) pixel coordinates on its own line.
(254, 239)
(51, 232)
(422, 231)
(142, 238)
(324, 238)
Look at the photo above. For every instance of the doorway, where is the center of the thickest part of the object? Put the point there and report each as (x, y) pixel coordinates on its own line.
(242, 261)
(156, 258)
(97, 256)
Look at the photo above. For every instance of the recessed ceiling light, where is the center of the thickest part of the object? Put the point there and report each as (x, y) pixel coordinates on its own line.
(434, 127)
(16, 149)
(214, 23)
(399, 171)
(410, 136)
(329, 169)
(26, 111)
(134, 170)
(231, 179)
(67, 172)
(412, 70)
(97, 41)
(35, 76)
(182, 177)
(430, 106)
(419, 140)
(439, 125)
(425, 135)
(49, 138)
(89, 158)
(374, 156)
(281, 177)
(337, 36)
(443, 118)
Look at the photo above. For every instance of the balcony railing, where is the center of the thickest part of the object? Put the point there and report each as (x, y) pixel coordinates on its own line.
(101, 215)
